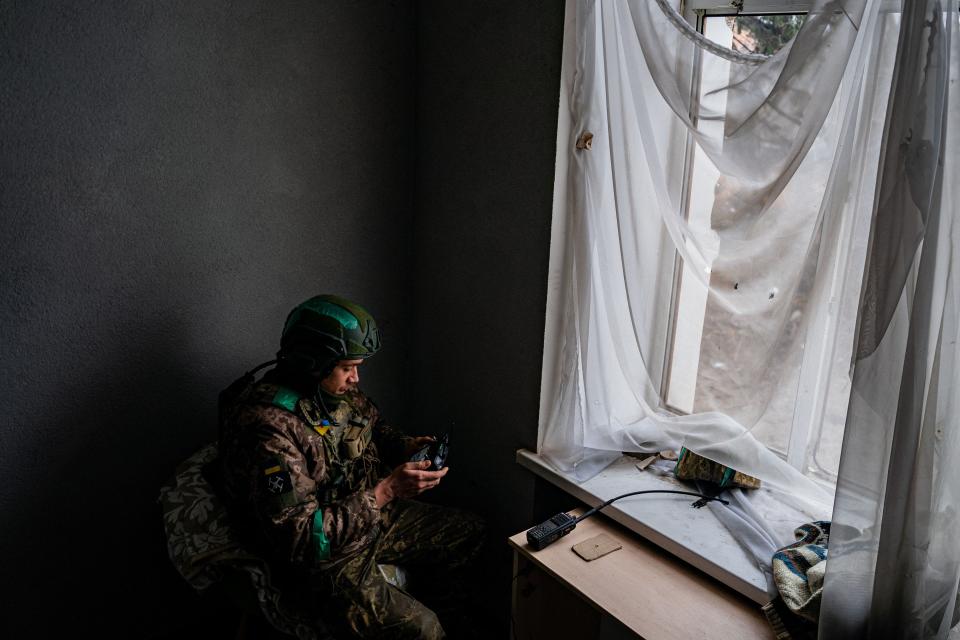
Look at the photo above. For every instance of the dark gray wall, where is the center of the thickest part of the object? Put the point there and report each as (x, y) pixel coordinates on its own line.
(174, 176)
(487, 98)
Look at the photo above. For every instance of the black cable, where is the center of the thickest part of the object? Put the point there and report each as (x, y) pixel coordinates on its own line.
(260, 366)
(703, 500)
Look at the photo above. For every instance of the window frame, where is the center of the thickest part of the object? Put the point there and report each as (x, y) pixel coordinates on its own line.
(730, 565)
(690, 8)
(801, 452)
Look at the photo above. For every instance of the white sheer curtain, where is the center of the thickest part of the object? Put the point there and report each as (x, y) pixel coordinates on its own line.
(851, 126)
(785, 138)
(894, 564)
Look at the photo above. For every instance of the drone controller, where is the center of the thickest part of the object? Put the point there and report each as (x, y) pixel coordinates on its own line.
(436, 452)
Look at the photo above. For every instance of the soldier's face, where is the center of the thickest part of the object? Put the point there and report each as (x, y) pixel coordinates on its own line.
(344, 377)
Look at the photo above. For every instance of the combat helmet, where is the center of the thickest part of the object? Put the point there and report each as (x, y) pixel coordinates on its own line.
(325, 329)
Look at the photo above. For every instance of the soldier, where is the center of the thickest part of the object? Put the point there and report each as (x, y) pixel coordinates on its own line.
(320, 484)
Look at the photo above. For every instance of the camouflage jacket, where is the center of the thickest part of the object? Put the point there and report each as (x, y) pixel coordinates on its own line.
(298, 487)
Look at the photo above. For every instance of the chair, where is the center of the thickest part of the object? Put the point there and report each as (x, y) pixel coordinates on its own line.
(206, 552)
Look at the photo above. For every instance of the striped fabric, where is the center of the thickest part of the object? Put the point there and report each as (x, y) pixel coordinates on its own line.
(798, 569)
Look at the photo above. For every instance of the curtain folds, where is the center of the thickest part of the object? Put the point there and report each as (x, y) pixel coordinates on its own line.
(779, 141)
(894, 563)
(824, 237)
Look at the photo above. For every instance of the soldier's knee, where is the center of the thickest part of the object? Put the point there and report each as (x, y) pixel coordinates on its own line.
(391, 615)
(424, 624)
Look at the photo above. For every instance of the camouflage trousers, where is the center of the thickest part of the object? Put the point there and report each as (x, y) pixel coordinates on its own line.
(435, 545)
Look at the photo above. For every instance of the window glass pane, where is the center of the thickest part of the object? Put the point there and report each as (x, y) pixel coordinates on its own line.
(761, 34)
(709, 344)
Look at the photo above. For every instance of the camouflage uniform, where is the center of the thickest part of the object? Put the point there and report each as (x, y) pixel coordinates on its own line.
(300, 489)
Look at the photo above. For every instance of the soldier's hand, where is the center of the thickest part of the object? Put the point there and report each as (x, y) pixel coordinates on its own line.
(407, 481)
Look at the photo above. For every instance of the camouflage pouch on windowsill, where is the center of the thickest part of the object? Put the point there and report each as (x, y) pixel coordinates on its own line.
(691, 466)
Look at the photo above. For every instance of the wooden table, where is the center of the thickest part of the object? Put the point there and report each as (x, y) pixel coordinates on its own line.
(637, 591)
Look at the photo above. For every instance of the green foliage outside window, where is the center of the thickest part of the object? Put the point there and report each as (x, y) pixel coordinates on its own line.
(763, 34)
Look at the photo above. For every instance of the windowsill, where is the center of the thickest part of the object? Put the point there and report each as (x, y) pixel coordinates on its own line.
(693, 535)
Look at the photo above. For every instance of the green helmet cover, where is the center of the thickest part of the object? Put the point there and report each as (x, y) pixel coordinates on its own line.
(325, 329)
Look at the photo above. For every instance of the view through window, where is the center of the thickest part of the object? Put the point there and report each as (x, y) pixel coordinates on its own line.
(697, 378)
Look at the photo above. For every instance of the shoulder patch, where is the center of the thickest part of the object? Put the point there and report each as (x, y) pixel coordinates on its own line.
(303, 407)
(286, 399)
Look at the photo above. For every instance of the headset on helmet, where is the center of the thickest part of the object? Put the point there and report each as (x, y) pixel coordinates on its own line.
(324, 330)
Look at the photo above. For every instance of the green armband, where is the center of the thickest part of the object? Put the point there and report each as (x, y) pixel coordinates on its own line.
(320, 540)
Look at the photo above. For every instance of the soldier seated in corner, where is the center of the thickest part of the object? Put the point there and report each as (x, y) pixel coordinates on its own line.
(320, 485)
